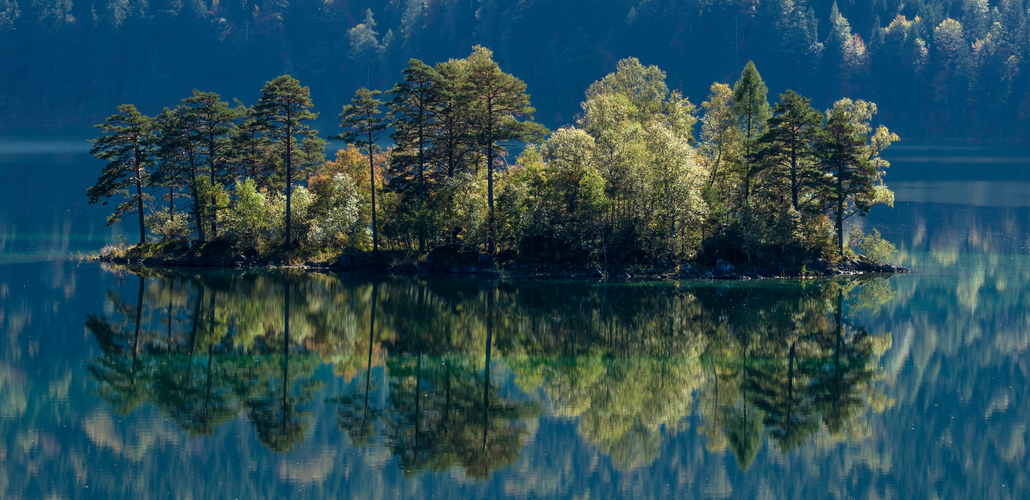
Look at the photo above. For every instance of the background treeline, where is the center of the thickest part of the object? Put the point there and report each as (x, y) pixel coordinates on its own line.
(939, 68)
(630, 182)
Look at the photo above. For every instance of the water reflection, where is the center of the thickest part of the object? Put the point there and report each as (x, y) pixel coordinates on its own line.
(629, 364)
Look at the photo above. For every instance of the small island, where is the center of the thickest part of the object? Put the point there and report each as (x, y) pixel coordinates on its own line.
(471, 184)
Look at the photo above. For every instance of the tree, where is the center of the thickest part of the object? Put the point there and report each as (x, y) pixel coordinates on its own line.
(453, 124)
(788, 145)
(128, 148)
(215, 121)
(500, 100)
(720, 131)
(413, 106)
(362, 123)
(282, 110)
(853, 170)
(250, 147)
(752, 108)
(179, 157)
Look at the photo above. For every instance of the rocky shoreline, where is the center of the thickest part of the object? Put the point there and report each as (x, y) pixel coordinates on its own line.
(486, 266)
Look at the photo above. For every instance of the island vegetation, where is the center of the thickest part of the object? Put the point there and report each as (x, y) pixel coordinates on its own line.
(469, 177)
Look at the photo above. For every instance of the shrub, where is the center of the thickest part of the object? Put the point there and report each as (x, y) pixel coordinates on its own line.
(876, 248)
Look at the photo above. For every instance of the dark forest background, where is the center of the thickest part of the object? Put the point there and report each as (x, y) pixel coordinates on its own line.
(938, 69)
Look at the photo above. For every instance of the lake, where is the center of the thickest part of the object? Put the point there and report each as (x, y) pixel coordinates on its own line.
(141, 383)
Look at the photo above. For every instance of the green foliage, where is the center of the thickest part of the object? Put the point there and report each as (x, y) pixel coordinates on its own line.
(873, 246)
(362, 123)
(848, 151)
(128, 148)
(282, 110)
(752, 109)
(629, 184)
(247, 221)
(337, 212)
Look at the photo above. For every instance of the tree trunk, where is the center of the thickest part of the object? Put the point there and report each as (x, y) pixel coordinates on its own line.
(840, 209)
(289, 179)
(492, 235)
(211, 162)
(372, 182)
(421, 180)
(139, 196)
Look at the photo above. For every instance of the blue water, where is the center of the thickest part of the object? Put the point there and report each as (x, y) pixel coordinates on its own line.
(909, 386)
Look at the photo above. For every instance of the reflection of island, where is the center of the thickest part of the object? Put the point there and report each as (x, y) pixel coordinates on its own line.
(759, 361)
(196, 373)
(629, 363)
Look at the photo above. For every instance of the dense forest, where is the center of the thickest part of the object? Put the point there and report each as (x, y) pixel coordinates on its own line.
(938, 68)
(629, 183)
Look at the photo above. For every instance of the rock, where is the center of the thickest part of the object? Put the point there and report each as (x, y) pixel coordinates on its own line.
(485, 260)
(723, 267)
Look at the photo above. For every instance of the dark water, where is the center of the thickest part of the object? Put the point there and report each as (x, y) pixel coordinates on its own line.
(121, 383)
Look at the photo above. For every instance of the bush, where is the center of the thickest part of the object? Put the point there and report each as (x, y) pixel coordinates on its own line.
(166, 228)
(247, 221)
(875, 247)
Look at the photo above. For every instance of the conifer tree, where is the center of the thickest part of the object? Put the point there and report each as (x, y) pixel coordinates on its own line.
(215, 121)
(500, 99)
(413, 107)
(852, 166)
(128, 148)
(363, 122)
(282, 110)
(180, 159)
(752, 107)
(788, 145)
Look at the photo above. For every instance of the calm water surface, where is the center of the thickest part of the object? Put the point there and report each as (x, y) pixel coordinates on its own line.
(129, 383)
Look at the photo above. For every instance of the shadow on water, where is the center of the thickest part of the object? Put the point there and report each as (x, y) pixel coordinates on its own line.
(628, 363)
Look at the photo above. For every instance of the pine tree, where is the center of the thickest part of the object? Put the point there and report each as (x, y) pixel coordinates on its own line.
(500, 99)
(179, 157)
(852, 169)
(414, 106)
(363, 122)
(282, 110)
(128, 148)
(215, 122)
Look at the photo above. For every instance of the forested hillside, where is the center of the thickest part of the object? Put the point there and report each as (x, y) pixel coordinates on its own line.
(937, 68)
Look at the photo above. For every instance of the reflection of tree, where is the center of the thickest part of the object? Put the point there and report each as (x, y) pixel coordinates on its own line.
(140, 365)
(629, 363)
(118, 370)
(355, 415)
(277, 416)
(444, 412)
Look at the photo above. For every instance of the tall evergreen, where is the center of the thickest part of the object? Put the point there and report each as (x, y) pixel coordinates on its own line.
(850, 175)
(413, 106)
(453, 121)
(788, 144)
(363, 122)
(500, 100)
(215, 121)
(179, 156)
(752, 108)
(282, 110)
(128, 148)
